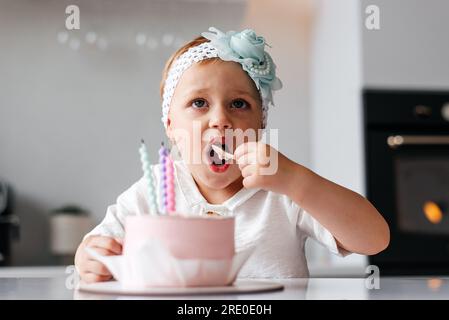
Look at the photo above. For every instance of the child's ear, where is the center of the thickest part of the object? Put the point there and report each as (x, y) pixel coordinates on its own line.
(168, 130)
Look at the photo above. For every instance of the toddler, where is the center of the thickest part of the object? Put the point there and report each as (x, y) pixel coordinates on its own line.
(215, 90)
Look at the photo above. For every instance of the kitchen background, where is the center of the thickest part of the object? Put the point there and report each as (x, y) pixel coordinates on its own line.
(74, 104)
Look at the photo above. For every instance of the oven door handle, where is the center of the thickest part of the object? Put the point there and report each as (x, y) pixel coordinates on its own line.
(402, 140)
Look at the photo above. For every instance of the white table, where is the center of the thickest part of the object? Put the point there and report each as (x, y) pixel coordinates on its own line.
(51, 283)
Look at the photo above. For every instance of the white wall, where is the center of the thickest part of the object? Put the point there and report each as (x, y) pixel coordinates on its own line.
(336, 81)
(411, 49)
(286, 24)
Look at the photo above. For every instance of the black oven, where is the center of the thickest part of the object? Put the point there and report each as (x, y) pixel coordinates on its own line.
(407, 177)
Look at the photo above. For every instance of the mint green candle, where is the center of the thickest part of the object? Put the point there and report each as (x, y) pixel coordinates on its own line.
(146, 167)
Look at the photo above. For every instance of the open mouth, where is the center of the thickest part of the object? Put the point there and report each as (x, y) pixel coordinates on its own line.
(216, 163)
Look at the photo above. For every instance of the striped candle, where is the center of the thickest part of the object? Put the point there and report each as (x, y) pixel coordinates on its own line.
(171, 204)
(163, 179)
(146, 167)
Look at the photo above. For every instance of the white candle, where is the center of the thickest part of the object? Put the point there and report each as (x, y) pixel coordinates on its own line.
(146, 167)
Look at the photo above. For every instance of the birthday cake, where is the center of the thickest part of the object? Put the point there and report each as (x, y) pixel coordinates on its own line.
(184, 237)
(176, 251)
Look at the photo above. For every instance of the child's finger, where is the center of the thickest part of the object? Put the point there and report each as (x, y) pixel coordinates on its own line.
(107, 243)
(103, 251)
(249, 170)
(90, 277)
(264, 154)
(97, 268)
(244, 148)
(247, 159)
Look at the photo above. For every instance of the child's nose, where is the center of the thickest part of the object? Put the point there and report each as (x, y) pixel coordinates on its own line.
(219, 119)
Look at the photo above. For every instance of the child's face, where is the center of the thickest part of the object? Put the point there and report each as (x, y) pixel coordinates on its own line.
(212, 98)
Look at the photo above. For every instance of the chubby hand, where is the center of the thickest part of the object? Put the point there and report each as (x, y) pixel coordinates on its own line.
(91, 270)
(264, 167)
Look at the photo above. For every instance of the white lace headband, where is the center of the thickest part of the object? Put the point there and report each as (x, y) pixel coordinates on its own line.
(244, 47)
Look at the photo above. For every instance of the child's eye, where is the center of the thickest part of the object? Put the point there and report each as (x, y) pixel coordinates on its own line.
(239, 104)
(199, 103)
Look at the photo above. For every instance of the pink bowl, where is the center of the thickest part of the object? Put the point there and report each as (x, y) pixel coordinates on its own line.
(185, 237)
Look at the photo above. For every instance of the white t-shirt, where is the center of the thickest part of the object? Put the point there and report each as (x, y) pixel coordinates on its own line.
(271, 221)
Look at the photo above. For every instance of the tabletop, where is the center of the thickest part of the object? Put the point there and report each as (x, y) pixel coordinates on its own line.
(60, 283)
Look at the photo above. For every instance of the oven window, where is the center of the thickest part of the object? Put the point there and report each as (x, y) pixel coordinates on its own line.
(422, 189)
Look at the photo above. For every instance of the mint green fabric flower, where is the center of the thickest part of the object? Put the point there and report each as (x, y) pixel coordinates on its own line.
(248, 49)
